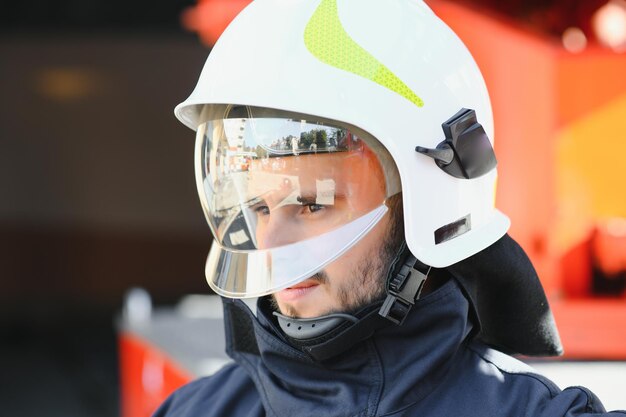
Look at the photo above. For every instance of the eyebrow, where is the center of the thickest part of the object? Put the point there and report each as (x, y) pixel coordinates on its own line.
(315, 198)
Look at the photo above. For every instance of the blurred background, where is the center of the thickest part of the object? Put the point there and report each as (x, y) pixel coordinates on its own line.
(98, 194)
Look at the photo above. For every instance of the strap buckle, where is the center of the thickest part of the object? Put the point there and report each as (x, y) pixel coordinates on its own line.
(403, 291)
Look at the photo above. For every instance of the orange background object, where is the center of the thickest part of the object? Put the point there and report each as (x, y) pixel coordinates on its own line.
(561, 146)
(209, 18)
(147, 376)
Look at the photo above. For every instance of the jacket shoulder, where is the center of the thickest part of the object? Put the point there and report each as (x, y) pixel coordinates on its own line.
(508, 367)
(542, 396)
(230, 391)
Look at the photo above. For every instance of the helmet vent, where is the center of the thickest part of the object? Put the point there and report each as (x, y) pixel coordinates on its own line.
(452, 230)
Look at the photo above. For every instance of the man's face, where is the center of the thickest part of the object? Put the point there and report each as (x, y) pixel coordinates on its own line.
(350, 282)
(314, 194)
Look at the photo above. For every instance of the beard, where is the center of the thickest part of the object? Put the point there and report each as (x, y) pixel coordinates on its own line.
(368, 281)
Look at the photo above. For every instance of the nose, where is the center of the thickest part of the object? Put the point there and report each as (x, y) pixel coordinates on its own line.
(275, 230)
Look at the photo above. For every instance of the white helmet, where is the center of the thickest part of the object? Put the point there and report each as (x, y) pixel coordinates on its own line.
(390, 69)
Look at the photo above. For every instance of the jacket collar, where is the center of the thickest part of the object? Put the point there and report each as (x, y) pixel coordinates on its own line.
(396, 366)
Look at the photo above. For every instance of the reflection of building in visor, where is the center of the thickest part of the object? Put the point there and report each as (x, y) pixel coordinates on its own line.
(273, 186)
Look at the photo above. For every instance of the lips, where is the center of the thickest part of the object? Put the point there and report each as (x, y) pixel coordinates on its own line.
(297, 291)
(305, 284)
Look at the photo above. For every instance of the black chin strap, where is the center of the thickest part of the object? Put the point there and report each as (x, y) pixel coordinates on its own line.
(343, 336)
(312, 328)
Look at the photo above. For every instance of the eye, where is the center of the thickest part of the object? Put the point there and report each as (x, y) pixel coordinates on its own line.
(261, 210)
(313, 208)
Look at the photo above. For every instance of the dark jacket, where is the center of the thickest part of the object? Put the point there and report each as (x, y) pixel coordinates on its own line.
(429, 367)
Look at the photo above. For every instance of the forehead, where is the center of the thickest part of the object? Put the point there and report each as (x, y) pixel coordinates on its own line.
(356, 177)
(352, 166)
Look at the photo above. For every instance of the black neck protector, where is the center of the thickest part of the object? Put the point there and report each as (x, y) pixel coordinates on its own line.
(325, 336)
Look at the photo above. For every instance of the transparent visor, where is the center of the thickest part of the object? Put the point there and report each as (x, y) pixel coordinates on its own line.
(284, 198)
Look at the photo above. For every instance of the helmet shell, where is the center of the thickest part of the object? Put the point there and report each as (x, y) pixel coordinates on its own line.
(262, 60)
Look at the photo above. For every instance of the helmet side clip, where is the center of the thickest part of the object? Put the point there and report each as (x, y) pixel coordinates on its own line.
(466, 152)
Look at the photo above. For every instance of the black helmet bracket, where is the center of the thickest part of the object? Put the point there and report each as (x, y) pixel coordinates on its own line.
(466, 152)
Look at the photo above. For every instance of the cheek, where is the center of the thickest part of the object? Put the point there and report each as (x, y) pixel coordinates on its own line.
(371, 243)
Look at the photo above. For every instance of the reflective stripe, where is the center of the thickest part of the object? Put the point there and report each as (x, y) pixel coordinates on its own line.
(327, 40)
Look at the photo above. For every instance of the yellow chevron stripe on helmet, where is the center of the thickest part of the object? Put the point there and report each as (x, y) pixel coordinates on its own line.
(327, 40)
